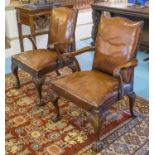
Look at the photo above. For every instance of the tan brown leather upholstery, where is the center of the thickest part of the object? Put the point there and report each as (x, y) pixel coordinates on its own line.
(89, 87)
(37, 59)
(116, 43)
(97, 90)
(62, 30)
(62, 26)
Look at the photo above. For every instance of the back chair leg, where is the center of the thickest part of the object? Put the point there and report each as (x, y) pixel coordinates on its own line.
(96, 119)
(38, 83)
(55, 98)
(75, 65)
(132, 97)
(14, 69)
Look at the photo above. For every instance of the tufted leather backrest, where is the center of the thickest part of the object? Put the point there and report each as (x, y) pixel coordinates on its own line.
(62, 26)
(116, 44)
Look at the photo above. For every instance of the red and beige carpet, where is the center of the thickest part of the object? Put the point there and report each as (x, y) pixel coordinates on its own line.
(30, 131)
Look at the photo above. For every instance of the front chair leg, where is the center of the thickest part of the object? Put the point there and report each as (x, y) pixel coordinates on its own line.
(54, 98)
(132, 97)
(74, 66)
(14, 69)
(96, 119)
(38, 83)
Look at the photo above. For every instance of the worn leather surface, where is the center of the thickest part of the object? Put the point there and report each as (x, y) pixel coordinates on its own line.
(63, 21)
(116, 44)
(37, 59)
(91, 87)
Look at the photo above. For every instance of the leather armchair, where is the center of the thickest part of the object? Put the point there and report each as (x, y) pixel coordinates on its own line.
(61, 39)
(111, 77)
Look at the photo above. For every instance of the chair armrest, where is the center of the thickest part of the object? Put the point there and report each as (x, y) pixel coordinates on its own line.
(129, 64)
(77, 52)
(117, 74)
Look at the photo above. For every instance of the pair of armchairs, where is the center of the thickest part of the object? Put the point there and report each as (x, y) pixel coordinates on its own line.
(111, 77)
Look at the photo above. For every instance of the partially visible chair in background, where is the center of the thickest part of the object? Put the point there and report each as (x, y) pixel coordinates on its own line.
(111, 77)
(61, 39)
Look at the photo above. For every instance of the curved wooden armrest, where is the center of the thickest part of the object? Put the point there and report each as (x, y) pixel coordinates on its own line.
(129, 64)
(77, 52)
(32, 41)
(117, 74)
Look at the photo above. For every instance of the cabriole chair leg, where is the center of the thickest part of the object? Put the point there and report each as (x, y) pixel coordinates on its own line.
(38, 83)
(55, 98)
(14, 69)
(96, 119)
(132, 97)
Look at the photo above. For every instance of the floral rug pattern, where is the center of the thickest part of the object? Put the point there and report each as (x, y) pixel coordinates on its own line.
(30, 130)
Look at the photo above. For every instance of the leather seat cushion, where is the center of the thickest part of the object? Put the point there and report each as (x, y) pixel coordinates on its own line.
(37, 59)
(91, 87)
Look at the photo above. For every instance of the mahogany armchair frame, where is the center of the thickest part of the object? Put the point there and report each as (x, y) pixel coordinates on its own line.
(98, 115)
(38, 77)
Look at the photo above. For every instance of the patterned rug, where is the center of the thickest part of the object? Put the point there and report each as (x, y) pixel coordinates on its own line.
(30, 131)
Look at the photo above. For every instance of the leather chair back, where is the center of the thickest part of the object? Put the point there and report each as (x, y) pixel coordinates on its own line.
(62, 27)
(116, 44)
